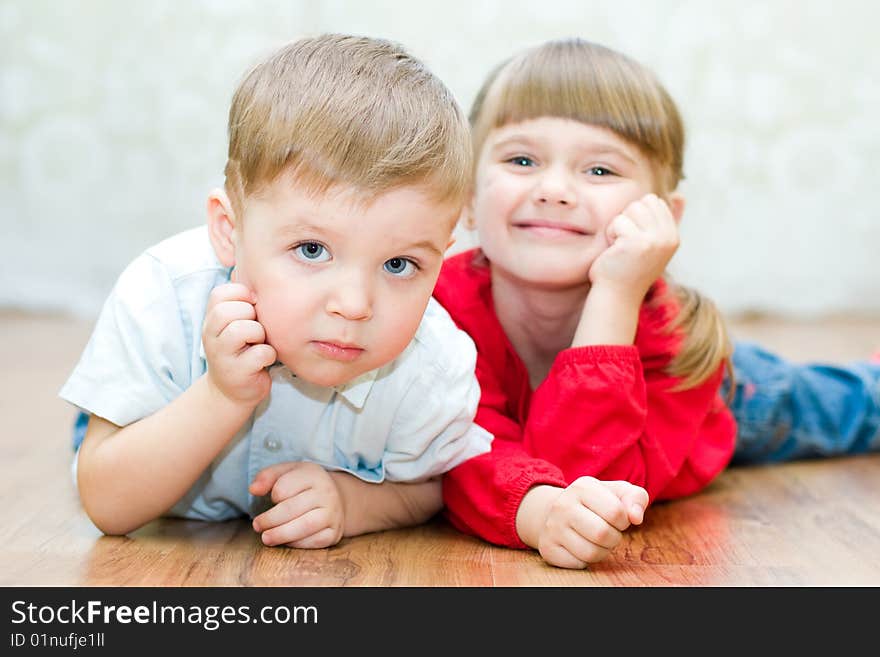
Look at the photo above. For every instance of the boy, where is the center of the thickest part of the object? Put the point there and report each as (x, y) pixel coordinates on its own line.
(290, 349)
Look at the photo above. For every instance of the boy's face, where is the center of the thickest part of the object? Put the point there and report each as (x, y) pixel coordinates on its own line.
(546, 189)
(341, 288)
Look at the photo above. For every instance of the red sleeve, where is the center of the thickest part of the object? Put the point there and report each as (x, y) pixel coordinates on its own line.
(604, 412)
(483, 494)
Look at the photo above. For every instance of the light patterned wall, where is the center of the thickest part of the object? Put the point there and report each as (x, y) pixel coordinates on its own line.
(112, 127)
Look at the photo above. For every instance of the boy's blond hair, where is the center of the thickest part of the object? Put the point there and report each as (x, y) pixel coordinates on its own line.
(347, 110)
(583, 81)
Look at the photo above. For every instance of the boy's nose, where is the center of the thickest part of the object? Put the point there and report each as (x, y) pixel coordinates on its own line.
(351, 299)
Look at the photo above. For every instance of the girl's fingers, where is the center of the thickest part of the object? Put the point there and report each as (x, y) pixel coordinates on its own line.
(597, 499)
(557, 555)
(621, 226)
(596, 531)
(575, 551)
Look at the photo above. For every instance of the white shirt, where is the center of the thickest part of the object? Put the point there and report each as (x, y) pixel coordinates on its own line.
(409, 420)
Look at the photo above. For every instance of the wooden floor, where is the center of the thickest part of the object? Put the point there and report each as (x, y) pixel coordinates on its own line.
(808, 523)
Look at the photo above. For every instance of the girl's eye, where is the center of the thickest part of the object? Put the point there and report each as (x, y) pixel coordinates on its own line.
(402, 267)
(600, 171)
(522, 161)
(312, 252)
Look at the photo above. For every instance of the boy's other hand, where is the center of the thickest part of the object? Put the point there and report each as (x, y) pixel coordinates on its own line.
(308, 511)
(586, 521)
(235, 345)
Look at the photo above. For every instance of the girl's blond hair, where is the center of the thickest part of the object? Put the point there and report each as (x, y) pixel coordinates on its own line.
(583, 81)
(347, 110)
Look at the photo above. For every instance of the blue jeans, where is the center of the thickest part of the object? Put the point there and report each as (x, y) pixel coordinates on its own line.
(786, 410)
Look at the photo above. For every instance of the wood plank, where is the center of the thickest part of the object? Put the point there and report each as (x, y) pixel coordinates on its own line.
(810, 523)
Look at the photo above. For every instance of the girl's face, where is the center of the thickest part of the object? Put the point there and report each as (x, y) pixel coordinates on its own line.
(545, 191)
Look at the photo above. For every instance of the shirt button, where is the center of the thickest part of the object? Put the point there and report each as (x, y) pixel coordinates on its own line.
(272, 444)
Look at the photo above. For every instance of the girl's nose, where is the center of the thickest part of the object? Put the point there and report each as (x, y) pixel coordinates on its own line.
(555, 187)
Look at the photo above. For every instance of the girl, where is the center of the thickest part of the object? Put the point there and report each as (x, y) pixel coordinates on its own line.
(591, 362)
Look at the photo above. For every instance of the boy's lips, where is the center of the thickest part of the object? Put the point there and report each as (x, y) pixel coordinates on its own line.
(341, 351)
(549, 228)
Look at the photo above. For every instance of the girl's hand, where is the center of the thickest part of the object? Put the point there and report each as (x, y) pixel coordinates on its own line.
(642, 240)
(308, 511)
(235, 345)
(586, 521)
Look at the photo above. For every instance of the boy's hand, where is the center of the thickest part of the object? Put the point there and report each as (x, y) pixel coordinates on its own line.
(642, 240)
(235, 345)
(308, 511)
(586, 520)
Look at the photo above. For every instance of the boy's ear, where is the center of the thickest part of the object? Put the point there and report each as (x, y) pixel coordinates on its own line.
(676, 204)
(221, 227)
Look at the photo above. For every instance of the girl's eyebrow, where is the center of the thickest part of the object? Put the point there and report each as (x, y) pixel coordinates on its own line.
(611, 150)
(523, 139)
(597, 149)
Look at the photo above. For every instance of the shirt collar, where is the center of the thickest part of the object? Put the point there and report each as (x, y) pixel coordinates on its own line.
(357, 390)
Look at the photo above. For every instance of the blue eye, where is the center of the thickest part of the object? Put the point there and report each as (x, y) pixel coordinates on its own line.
(312, 252)
(402, 267)
(600, 171)
(522, 161)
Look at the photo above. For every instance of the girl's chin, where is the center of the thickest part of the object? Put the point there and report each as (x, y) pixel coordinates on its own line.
(554, 277)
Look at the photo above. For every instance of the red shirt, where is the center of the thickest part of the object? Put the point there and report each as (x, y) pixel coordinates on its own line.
(604, 410)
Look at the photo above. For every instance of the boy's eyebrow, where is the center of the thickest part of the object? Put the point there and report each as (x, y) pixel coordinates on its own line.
(303, 227)
(427, 245)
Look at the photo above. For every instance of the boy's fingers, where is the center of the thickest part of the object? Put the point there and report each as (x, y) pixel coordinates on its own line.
(230, 292)
(240, 333)
(259, 356)
(324, 538)
(221, 316)
(285, 511)
(309, 523)
(292, 483)
(265, 479)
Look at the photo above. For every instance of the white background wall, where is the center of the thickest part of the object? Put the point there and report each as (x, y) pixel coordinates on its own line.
(112, 127)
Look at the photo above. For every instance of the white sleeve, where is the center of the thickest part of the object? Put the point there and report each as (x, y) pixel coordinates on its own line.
(433, 429)
(137, 358)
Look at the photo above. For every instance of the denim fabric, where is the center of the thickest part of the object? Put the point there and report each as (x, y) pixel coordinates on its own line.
(79, 429)
(787, 410)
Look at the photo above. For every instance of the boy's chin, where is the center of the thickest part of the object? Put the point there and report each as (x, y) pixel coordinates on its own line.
(326, 377)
